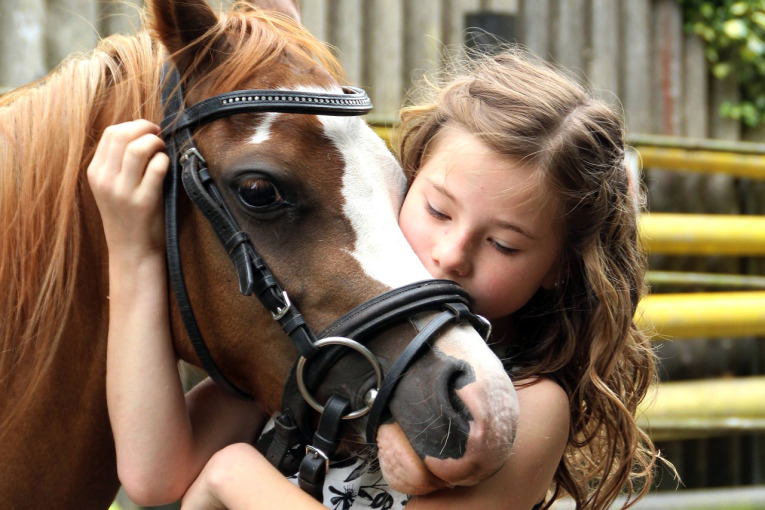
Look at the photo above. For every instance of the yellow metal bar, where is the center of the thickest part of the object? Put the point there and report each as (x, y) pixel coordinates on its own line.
(704, 314)
(704, 407)
(703, 234)
(750, 166)
(700, 144)
(707, 156)
(723, 281)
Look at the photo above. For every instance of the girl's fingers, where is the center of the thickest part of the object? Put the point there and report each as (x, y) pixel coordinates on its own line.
(155, 173)
(136, 157)
(108, 158)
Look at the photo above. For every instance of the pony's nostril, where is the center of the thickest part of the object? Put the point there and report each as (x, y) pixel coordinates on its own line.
(429, 407)
(458, 380)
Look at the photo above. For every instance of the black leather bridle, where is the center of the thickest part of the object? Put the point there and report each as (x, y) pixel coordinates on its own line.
(292, 446)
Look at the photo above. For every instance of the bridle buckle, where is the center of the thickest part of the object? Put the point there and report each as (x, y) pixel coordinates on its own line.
(317, 453)
(192, 151)
(281, 312)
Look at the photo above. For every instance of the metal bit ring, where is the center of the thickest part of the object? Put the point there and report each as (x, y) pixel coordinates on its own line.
(345, 342)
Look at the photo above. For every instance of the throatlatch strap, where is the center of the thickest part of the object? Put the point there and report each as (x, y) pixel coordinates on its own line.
(315, 464)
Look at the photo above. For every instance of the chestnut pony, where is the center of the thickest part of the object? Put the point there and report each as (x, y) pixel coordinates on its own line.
(318, 194)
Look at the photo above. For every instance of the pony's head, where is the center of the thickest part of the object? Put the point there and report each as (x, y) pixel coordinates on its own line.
(318, 196)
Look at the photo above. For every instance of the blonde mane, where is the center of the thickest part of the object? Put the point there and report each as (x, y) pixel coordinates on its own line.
(48, 133)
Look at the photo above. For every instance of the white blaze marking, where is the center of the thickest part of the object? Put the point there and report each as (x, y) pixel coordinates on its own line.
(263, 131)
(373, 189)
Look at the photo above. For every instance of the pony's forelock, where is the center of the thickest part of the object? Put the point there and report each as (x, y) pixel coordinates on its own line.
(247, 39)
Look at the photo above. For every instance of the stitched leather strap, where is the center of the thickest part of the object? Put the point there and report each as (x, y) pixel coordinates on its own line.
(313, 468)
(388, 309)
(173, 101)
(352, 102)
(281, 445)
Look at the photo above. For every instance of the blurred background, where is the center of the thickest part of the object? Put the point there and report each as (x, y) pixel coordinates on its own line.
(690, 77)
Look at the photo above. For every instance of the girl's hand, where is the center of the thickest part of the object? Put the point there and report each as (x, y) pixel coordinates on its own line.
(126, 176)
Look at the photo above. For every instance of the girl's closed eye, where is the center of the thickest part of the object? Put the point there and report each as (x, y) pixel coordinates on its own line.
(435, 212)
(503, 249)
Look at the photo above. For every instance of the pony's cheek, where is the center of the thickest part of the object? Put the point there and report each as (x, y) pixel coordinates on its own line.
(401, 467)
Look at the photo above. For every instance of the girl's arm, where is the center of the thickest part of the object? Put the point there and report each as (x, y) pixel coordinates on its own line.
(161, 444)
(523, 481)
(240, 478)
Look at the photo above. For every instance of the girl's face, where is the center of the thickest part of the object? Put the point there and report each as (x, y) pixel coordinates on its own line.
(483, 220)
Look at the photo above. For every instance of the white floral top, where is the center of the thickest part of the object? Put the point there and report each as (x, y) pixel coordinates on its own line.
(357, 484)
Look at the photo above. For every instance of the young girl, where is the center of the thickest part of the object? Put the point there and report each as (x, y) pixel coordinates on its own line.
(519, 192)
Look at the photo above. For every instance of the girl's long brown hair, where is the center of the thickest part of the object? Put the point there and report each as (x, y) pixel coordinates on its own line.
(581, 333)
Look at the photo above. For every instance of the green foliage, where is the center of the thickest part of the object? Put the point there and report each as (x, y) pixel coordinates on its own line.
(734, 35)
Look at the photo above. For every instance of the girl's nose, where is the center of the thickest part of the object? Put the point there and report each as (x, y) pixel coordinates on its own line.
(451, 254)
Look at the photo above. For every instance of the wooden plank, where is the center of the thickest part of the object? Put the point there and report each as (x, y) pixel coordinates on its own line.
(535, 26)
(636, 91)
(422, 39)
(345, 33)
(720, 190)
(694, 121)
(667, 70)
(695, 86)
(313, 15)
(120, 17)
(383, 73)
(454, 12)
(666, 28)
(604, 63)
(507, 6)
(71, 27)
(22, 47)
(569, 37)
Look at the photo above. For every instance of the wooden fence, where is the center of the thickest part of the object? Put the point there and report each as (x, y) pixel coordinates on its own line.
(634, 53)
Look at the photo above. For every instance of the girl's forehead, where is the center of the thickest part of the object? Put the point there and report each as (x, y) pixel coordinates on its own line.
(460, 153)
(465, 168)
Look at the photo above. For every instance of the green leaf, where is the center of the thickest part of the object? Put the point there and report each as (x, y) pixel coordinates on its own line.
(735, 29)
(739, 8)
(721, 70)
(749, 114)
(755, 45)
(733, 34)
(759, 18)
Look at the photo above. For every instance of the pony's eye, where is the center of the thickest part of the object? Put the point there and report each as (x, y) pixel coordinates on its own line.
(259, 193)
